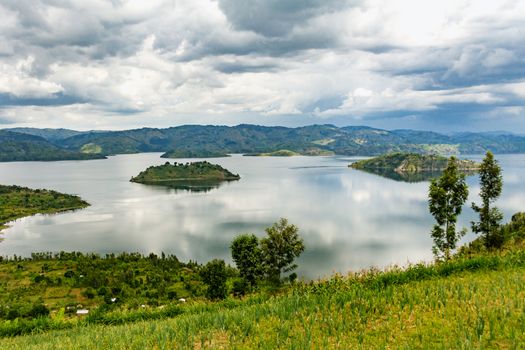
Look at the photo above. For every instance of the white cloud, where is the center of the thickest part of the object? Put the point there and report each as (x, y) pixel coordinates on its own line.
(163, 62)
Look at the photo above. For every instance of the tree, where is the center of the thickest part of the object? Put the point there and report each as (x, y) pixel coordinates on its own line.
(247, 257)
(280, 248)
(446, 198)
(489, 218)
(214, 275)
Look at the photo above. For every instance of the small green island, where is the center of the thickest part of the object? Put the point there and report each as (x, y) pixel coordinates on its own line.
(192, 176)
(194, 153)
(290, 153)
(17, 202)
(411, 167)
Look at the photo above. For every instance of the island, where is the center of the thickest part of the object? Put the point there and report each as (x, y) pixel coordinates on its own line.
(196, 176)
(17, 202)
(290, 153)
(194, 153)
(411, 167)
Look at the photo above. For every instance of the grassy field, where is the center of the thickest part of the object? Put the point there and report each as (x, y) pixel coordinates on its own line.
(477, 302)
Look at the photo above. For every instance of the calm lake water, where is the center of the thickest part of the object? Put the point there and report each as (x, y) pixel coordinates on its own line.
(349, 219)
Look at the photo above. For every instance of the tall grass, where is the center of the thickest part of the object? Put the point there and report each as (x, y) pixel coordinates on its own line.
(469, 303)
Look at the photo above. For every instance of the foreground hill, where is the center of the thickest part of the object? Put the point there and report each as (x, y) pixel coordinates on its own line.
(209, 140)
(24, 147)
(467, 303)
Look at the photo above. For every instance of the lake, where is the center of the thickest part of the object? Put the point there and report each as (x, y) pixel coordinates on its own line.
(349, 219)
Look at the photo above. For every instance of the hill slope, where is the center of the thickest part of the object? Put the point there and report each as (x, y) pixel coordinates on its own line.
(23, 147)
(473, 303)
(209, 140)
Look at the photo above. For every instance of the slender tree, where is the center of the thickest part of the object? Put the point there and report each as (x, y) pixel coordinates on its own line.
(447, 194)
(247, 257)
(489, 223)
(214, 275)
(280, 249)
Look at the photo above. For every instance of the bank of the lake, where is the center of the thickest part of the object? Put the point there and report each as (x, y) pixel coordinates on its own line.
(349, 219)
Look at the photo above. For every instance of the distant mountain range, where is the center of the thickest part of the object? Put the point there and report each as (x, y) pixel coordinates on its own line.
(206, 140)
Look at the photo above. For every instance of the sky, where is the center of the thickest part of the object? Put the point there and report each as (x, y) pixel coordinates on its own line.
(442, 65)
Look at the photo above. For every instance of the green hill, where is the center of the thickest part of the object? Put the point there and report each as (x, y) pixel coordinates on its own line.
(210, 140)
(24, 147)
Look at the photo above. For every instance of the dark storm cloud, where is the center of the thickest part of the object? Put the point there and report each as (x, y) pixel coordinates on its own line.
(276, 18)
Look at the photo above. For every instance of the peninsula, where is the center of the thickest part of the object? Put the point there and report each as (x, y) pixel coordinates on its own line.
(17, 202)
(412, 163)
(411, 167)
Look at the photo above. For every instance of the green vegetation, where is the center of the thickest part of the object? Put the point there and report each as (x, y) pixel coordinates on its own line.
(411, 167)
(468, 302)
(412, 163)
(207, 141)
(278, 153)
(247, 256)
(474, 300)
(17, 202)
(446, 198)
(491, 182)
(181, 175)
(267, 259)
(91, 148)
(64, 282)
(215, 274)
(288, 153)
(190, 153)
(16, 147)
(125, 286)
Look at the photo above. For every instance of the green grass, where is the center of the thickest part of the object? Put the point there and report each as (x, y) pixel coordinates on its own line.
(476, 302)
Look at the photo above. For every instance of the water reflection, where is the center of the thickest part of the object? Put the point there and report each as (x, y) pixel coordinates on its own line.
(191, 186)
(348, 218)
(420, 176)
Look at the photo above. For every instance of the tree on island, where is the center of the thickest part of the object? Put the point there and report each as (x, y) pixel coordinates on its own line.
(489, 223)
(447, 194)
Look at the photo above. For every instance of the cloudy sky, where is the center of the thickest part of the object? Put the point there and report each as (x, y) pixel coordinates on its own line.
(445, 65)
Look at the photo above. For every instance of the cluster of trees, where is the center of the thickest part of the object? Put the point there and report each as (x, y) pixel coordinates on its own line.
(257, 261)
(448, 194)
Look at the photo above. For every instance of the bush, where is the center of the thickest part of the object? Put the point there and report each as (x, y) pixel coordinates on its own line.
(240, 287)
(89, 293)
(38, 310)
